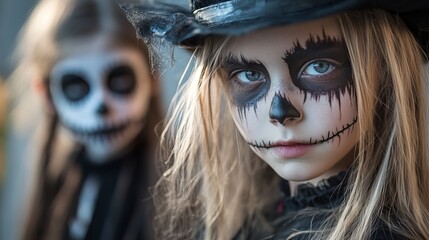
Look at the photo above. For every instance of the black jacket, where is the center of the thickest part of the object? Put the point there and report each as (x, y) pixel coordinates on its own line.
(311, 206)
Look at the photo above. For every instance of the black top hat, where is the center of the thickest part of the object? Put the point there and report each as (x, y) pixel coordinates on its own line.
(183, 26)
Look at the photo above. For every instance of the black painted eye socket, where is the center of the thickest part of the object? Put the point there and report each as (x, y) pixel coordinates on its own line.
(74, 87)
(121, 80)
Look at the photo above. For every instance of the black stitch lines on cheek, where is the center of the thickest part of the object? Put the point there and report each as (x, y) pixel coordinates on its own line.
(260, 145)
(282, 109)
(331, 135)
(331, 52)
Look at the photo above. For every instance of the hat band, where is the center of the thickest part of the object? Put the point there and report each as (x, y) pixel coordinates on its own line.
(241, 10)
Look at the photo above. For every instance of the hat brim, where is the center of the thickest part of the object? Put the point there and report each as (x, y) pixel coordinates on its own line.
(181, 27)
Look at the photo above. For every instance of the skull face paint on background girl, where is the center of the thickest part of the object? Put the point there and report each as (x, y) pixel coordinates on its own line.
(102, 93)
(293, 99)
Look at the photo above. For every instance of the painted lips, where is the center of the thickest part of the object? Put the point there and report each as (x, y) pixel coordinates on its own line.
(285, 149)
(291, 150)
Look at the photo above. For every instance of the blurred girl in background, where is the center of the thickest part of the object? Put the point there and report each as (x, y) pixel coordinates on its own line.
(101, 99)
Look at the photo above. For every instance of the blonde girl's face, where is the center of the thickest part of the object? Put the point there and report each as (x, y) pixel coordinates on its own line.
(293, 98)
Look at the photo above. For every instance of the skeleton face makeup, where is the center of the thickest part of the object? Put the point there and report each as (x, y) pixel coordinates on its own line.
(102, 94)
(293, 99)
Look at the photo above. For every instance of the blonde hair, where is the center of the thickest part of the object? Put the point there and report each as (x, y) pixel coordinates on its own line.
(390, 180)
(214, 185)
(209, 169)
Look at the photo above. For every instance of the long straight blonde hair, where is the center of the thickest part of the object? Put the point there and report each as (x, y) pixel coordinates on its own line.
(391, 177)
(214, 185)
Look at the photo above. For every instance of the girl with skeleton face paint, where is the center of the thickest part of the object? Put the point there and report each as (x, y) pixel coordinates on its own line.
(294, 102)
(300, 121)
(96, 80)
(102, 95)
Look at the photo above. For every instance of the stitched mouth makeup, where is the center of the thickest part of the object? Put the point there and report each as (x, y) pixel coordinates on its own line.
(101, 134)
(337, 133)
(296, 148)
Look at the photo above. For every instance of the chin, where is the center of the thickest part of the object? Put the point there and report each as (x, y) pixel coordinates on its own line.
(298, 171)
(296, 176)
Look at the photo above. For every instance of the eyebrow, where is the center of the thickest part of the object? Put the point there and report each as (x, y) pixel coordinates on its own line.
(232, 63)
(313, 44)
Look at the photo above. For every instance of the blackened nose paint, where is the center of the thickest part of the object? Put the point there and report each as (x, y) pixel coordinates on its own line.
(282, 109)
(102, 109)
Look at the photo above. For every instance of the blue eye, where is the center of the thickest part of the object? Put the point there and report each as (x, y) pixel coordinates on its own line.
(250, 76)
(318, 67)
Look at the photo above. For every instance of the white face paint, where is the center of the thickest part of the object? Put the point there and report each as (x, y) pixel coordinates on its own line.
(102, 95)
(293, 98)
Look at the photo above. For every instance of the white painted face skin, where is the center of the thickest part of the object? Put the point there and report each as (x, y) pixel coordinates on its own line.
(101, 93)
(293, 98)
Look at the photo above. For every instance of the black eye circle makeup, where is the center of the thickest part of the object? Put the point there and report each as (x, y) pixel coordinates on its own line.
(322, 67)
(248, 82)
(74, 87)
(121, 80)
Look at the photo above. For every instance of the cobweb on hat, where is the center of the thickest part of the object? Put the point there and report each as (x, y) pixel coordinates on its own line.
(159, 28)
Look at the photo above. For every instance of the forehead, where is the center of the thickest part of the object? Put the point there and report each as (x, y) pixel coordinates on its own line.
(100, 59)
(96, 53)
(278, 39)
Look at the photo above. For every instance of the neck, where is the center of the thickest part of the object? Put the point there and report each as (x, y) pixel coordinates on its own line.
(341, 166)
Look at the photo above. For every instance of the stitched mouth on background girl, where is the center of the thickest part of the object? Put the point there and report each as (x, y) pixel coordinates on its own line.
(100, 133)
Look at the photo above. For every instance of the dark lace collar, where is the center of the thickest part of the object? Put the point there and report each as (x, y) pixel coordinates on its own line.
(328, 193)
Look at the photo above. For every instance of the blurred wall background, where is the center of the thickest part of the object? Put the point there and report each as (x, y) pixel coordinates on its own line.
(13, 14)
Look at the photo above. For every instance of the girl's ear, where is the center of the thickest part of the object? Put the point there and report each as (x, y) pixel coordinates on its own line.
(41, 87)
